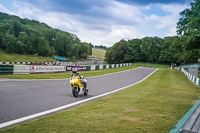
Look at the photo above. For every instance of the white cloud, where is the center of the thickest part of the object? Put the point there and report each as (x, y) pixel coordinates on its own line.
(117, 33)
(122, 12)
(110, 33)
(174, 8)
(169, 21)
(118, 21)
(5, 10)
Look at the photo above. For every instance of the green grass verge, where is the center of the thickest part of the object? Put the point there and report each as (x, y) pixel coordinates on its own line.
(66, 74)
(151, 64)
(153, 106)
(78, 60)
(13, 57)
(98, 53)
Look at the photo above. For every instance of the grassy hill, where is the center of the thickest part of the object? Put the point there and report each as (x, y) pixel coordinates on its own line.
(21, 36)
(13, 57)
(98, 53)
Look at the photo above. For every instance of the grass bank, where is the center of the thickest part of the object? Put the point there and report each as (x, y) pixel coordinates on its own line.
(153, 106)
(13, 57)
(151, 64)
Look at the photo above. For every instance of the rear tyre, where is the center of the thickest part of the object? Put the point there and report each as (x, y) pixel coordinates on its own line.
(75, 91)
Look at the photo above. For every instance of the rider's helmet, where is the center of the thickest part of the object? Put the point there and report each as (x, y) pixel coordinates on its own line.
(74, 70)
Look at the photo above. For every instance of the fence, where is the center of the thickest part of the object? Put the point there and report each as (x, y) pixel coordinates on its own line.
(50, 63)
(191, 71)
(21, 69)
(29, 69)
(47, 69)
(6, 69)
(98, 67)
(191, 77)
(190, 123)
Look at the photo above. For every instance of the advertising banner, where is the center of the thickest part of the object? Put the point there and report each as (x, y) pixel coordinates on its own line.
(79, 68)
(41, 69)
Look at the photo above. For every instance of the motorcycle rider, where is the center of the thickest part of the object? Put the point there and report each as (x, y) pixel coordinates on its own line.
(82, 79)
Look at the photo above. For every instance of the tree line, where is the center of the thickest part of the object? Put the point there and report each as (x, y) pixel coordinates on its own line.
(26, 36)
(181, 49)
(101, 47)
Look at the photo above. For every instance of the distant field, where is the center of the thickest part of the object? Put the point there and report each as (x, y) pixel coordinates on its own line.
(13, 57)
(98, 53)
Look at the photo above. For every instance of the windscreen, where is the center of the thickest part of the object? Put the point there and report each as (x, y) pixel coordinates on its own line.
(74, 76)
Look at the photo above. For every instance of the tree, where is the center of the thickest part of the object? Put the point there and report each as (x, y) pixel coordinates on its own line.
(30, 36)
(17, 27)
(20, 47)
(189, 29)
(166, 54)
(9, 42)
(85, 50)
(133, 52)
(116, 53)
(74, 51)
(91, 46)
(108, 55)
(150, 47)
(43, 47)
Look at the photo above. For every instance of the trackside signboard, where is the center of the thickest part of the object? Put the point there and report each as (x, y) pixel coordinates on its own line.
(79, 68)
(41, 69)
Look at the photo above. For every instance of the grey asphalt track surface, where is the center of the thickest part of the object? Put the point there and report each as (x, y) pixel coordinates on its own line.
(20, 98)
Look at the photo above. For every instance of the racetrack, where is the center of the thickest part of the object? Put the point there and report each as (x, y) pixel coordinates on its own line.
(21, 98)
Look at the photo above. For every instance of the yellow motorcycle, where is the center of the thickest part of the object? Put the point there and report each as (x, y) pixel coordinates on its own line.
(78, 85)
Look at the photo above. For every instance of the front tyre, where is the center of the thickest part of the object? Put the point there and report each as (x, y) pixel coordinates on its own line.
(75, 91)
(85, 90)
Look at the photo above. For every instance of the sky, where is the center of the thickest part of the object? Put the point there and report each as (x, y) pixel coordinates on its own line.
(103, 22)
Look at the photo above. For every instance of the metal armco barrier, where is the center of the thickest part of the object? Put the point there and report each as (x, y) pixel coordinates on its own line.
(29, 69)
(47, 69)
(194, 79)
(21, 69)
(98, 67)
(6, 69)
(190, 123)
(50, 63)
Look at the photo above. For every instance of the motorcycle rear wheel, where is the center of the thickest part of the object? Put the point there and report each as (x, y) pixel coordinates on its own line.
(75, 91)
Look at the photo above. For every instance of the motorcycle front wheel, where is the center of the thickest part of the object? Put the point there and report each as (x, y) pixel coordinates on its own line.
(86, 92)
(75, 91)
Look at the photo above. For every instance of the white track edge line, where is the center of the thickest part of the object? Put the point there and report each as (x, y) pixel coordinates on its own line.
(67, 78)
(114, 73)
(9, 123)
